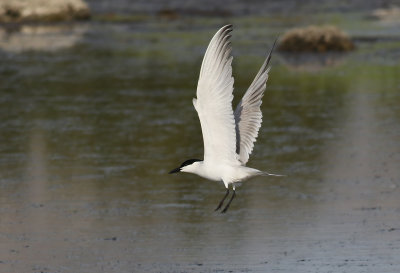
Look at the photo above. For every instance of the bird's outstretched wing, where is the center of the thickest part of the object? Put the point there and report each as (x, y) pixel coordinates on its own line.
(214, 100)
(248, 115)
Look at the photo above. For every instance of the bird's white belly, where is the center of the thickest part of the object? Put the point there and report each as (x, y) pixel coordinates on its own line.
(227, 173)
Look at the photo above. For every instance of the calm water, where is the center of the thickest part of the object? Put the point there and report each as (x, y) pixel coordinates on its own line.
(94, 115)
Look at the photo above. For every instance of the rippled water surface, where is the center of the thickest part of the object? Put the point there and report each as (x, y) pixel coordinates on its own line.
(94, 115)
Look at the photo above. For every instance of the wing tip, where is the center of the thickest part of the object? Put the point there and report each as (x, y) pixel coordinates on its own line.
(228, 26)
(270, 52)
(226, 29)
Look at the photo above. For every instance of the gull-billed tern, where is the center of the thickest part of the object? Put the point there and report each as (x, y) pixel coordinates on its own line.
(228, 135)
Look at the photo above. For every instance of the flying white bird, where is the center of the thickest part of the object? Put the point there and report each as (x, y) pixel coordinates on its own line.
(228, 136)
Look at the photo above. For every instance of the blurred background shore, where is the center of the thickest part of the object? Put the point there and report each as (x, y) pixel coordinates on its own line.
(95, 109)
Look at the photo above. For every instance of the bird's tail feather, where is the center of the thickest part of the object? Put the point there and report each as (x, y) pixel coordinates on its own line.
(271, 174)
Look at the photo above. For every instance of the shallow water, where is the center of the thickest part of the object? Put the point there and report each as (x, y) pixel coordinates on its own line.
(92, 124)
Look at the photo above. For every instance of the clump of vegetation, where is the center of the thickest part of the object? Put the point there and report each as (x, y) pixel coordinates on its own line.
(391, 13)
(315, 39)
(20, 11)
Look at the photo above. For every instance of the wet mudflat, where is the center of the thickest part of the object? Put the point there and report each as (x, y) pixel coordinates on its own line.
(91, 125)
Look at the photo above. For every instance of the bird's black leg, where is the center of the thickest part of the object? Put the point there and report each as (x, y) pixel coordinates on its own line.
(230, 201)
(222, 201)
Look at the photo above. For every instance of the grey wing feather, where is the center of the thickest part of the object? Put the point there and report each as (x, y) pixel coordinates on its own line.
(214, 100)
(248, 115)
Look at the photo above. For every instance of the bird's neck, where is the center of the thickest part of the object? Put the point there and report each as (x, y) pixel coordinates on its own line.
(196, 168)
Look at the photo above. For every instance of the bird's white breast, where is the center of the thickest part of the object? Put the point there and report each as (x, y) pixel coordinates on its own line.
(211, 171)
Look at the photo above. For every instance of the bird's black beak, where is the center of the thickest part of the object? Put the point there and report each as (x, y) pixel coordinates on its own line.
(177, 170)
